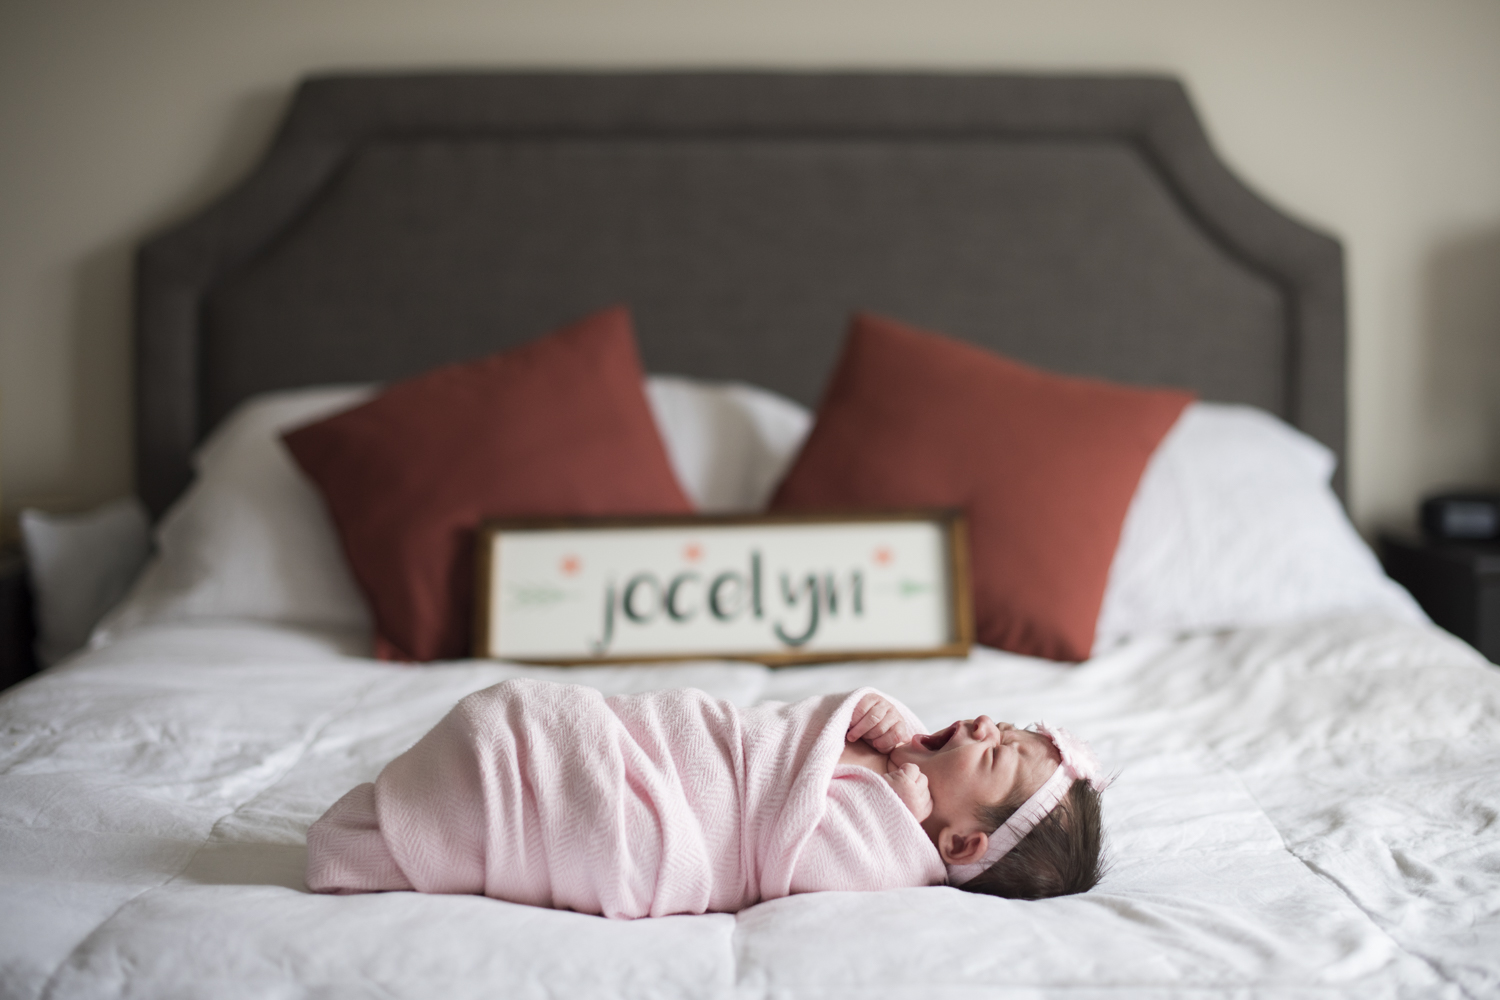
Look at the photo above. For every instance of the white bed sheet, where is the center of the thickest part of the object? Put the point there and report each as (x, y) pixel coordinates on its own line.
(1303, 810)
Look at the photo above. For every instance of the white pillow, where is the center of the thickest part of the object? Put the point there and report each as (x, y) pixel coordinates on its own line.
(1234, 524)
(729, 443)
(80, 565)
(252, 539)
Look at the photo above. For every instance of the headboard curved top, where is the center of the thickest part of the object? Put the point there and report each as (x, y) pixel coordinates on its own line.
(402, 221)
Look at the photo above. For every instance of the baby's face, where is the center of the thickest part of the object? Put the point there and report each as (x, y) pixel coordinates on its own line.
(976, 763)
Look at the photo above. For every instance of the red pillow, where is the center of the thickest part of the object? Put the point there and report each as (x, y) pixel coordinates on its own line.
(557, 427)
(1044, 465)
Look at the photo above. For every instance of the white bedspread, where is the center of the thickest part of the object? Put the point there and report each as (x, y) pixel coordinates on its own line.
(1301, 811)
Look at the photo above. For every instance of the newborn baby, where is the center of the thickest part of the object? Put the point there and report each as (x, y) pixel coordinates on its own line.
(1012, 812)
(675, 802)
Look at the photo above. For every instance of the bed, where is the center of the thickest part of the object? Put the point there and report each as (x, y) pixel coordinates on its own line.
(1307, 788)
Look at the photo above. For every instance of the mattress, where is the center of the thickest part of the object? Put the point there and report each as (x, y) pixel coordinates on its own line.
(1299, 810)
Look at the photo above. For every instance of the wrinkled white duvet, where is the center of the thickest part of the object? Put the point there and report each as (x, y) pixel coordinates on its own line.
(1306, 811)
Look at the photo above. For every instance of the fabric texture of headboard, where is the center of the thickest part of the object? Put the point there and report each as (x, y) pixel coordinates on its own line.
(398, 222)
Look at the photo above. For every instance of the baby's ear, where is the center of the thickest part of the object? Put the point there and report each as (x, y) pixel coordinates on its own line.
(962, 848)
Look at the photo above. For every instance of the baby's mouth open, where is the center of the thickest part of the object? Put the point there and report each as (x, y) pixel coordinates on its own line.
(937, 740)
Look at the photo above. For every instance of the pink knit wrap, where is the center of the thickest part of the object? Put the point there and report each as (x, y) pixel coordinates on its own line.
(630, 806)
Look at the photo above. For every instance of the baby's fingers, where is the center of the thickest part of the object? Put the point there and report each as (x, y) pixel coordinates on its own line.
(891, 732)
(910, 785)
(869, 712)
(921, 799)
(905, 774)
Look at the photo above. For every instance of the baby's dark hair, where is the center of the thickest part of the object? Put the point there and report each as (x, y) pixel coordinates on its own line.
(1062, 855)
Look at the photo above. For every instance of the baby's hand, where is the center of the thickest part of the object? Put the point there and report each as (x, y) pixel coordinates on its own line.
(879, 723)
(910, 785)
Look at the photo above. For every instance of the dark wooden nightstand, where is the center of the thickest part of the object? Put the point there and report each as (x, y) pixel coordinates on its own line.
(1457, 583)
(17, 631)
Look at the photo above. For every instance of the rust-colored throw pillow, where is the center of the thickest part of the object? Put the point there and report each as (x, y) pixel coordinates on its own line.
(556, 427)
(1044, 465)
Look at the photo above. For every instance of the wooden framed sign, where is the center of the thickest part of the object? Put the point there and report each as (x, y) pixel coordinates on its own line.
(777, 589)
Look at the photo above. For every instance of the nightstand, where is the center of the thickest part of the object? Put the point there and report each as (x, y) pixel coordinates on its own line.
(17, 632)
(1457, 583)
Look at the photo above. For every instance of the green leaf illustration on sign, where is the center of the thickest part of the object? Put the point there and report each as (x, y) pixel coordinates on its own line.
(537, 596)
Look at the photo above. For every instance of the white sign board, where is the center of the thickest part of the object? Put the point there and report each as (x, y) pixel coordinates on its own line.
(777, 589)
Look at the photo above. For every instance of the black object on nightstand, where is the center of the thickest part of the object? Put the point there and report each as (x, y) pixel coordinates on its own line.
(1457, 584)
(17, 632)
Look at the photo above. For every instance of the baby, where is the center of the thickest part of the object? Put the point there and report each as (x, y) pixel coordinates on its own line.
(1012, 812)
(676, 802)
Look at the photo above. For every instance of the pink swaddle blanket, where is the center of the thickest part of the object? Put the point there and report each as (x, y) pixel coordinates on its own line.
(630, 806)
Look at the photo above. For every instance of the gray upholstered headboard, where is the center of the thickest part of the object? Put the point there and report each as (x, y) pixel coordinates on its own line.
(398, 222)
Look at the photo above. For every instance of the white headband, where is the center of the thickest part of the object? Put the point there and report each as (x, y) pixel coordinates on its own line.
(1078, 763)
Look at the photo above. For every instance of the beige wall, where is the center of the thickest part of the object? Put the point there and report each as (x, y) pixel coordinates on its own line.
(1378, 121)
